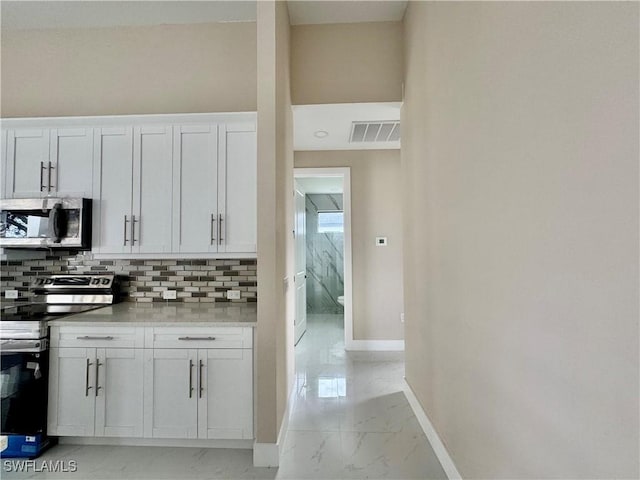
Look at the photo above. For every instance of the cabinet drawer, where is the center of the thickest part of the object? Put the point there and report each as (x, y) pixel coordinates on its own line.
(199, 337)
(108, 337)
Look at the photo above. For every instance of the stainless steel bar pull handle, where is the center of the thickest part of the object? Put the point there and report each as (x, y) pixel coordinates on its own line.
(220, 230)
(213, 222)
(42, 167)
(190, 378)
(49, 176)
(90, 337)
(98, 387)
(86, 380)
(196, 338)
(133, 229)
(125, 230)
(201, 389)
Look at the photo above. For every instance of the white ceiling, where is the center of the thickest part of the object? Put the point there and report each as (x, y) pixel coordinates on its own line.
(336, 120)
(320, 184)
(23, 14)
(346, 11)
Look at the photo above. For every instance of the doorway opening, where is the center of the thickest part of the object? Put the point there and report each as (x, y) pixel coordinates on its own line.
(323, 254)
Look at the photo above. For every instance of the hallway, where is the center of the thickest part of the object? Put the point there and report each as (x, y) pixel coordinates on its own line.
(350, 418)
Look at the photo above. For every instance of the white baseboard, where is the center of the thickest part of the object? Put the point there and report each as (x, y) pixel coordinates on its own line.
(156, 442)
(266, 455)
(375, 345)
(434, 439)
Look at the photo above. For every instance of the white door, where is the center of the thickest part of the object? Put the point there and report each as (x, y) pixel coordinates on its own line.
(171, 395)
(119, 396)
(152, 183)
(195, 206)
(237, 188)
(113, 157)
(300, 279)
(3, 162)
(72, 383)
(71, 169)
(225, 393)
(27, 163)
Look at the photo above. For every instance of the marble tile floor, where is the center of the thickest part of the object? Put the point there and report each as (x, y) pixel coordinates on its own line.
(350, 420)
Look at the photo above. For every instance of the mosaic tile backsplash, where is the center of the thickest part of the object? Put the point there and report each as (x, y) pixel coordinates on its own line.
(205, 281)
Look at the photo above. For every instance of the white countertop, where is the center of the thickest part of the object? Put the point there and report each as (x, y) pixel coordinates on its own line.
(166, 315)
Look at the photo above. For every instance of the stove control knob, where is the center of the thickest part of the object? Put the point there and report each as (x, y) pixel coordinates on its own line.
(48, 281)
(95, 281)
(105, 281)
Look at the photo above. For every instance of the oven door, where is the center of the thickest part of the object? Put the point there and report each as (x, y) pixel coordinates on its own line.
(23, 380)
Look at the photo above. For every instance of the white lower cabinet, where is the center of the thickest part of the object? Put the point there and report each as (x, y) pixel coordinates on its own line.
(225, 393)
(171, 403)
(96, 392)
(201, 391)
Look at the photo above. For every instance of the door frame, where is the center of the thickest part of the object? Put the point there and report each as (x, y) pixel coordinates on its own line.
(345, 173)
(298, 190)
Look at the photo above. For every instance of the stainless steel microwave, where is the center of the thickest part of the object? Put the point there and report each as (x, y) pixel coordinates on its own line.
(45, 223)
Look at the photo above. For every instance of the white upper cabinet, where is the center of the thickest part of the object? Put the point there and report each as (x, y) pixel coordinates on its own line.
(113, 160)
(160, 184)
(133, 190)
(70, 171)
(215, 191)
(237, 188)
(152, 184)
(49, 162)
(195, 180)
(27, 163)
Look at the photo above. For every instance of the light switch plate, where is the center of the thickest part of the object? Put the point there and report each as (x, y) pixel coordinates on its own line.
(381, 241)
(169, 294)
(11, 294)
(233, 294)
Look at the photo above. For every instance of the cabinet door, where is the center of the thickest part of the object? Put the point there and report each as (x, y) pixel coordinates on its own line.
(119, 395)
(113, 157)
(171, 408)
(225, 399)
(72, 384)
(71, 169)
(27, 162)
(195, 209)
(237, 188)
(152, 184)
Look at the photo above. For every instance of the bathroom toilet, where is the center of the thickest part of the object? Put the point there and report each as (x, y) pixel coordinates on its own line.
(341, 300)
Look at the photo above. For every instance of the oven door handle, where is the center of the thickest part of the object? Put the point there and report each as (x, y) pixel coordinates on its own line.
(23, 346)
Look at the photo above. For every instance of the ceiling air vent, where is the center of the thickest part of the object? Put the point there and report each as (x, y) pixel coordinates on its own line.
(369, 132)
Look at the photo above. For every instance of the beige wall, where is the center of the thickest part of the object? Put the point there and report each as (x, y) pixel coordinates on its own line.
(520, 177)
(346, 63)
(284, 210)
(129, 70)
(274, 348)
(375, 203)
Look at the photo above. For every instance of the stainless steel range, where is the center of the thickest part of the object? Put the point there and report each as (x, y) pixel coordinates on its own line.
(24, 346)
